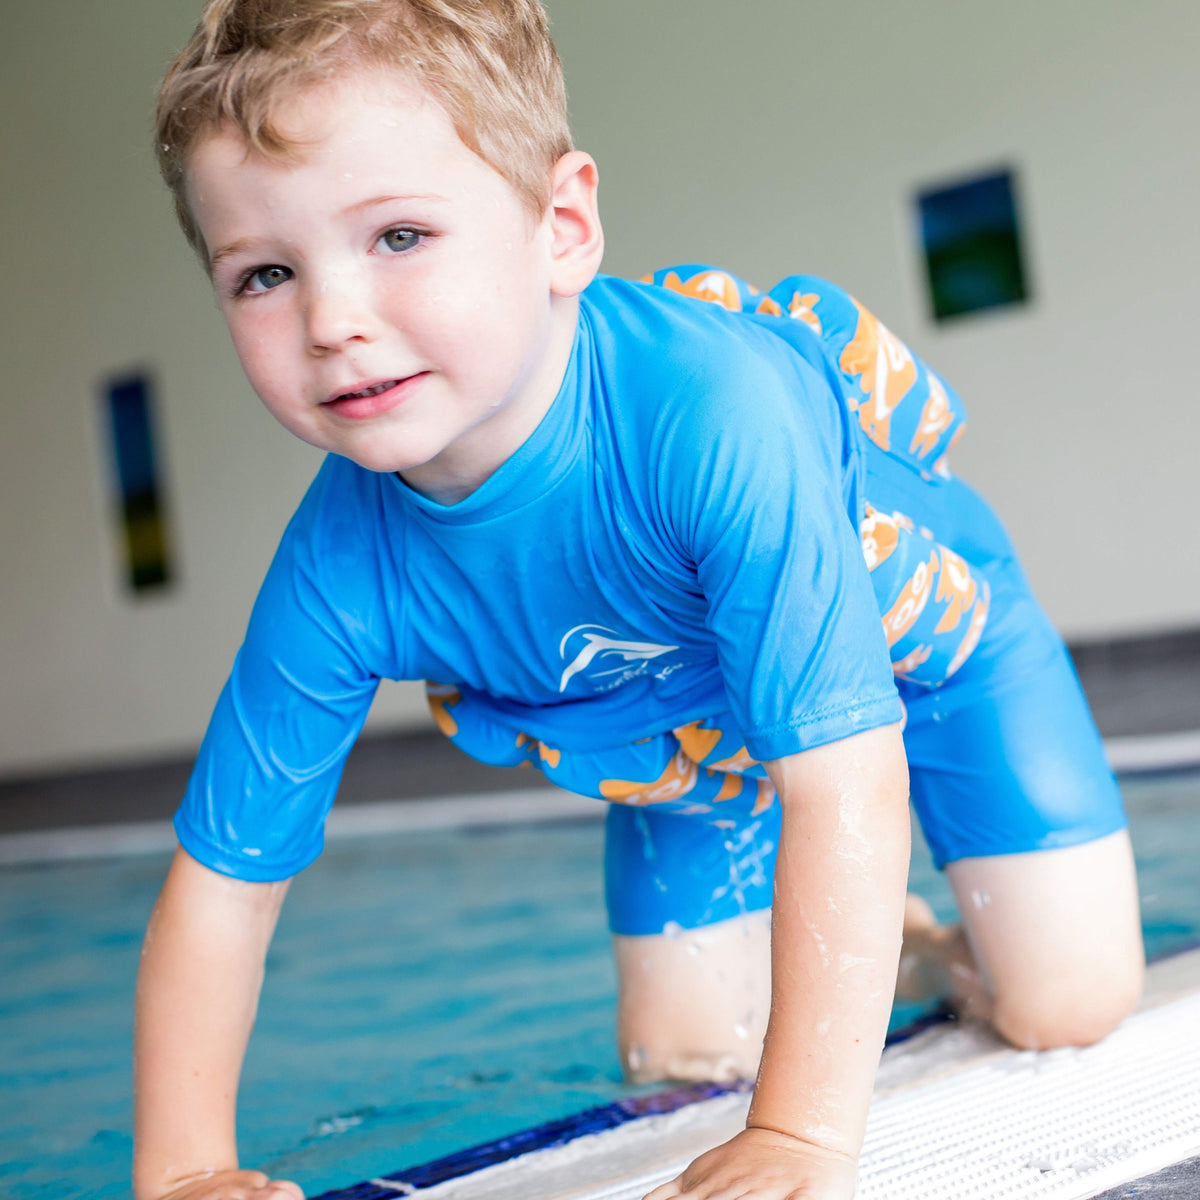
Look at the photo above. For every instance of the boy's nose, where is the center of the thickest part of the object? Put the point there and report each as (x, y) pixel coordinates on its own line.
(339, 312)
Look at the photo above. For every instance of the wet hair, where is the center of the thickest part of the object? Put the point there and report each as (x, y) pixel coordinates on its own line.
(489, 64)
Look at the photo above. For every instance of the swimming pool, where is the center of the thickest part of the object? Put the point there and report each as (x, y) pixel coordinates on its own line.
(425, 992)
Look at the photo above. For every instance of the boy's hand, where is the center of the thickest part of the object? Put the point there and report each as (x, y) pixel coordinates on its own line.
(760, 1164)
(234, 1185)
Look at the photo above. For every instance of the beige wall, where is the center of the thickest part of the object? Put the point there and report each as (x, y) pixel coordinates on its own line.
(767, 137)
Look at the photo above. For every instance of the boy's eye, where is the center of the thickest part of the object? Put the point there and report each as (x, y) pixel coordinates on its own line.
(396, 240)
(265, 278)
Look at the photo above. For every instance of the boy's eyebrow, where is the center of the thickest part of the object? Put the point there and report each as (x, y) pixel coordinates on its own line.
(225, 252)
(373, 200)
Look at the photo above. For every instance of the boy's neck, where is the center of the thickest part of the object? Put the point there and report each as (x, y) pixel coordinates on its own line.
(469, 462)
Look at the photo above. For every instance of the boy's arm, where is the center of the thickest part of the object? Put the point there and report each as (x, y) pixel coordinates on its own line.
(839, 900)
(197, 994)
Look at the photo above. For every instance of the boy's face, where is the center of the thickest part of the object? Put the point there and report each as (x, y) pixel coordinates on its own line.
(389, 296)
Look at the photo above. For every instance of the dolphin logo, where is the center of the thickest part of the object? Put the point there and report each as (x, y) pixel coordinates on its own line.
(600, 642)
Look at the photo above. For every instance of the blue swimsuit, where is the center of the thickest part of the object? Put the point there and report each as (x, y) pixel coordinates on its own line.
(680, 575)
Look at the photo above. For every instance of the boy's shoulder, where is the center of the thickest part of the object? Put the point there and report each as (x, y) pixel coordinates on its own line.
(663, 354)
(335, 532)
(822, 312)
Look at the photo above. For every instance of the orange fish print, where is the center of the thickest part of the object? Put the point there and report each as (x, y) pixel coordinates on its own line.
(770, 307)
(903, 615)
(880, 534)
(956, 585)
(546, 754)
(974, 631)
(677, 780)
(886, 370)
(441, 698)
(801, 308)
(941, 468)
(699, 743)
(936, 417)
(714, 286)
(910, 662)
(766, 797)
(731, 786)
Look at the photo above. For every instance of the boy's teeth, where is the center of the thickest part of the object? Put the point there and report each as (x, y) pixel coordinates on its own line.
(371, 391)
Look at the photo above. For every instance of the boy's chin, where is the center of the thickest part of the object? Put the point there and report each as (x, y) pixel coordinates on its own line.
(383, 460)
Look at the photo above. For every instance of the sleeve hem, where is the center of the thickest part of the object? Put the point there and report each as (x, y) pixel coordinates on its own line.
(824, 727)
(249, 869)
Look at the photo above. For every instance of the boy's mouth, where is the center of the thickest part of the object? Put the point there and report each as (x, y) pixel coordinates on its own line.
(374, 399)
(373, 390)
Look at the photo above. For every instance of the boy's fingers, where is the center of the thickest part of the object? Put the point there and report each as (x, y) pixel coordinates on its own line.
(237, 1185)
(666, 1190)
(280, 1189)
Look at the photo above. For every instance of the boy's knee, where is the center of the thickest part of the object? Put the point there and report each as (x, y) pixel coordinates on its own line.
(650, 1060)
(1067, 1010)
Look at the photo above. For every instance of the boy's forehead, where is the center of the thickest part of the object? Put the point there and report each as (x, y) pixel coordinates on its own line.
(316, 109)
(344, 124)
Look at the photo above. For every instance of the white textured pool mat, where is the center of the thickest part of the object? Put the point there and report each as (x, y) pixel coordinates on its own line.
(956, 1116)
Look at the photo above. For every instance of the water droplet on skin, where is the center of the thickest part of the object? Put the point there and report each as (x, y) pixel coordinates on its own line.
(693, 948)
(672, 929)
(740, 1031)
(847, 962)
(635, 1058)
(980, 899)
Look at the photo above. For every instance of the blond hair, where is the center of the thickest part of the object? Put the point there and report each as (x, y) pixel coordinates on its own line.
(490, 65)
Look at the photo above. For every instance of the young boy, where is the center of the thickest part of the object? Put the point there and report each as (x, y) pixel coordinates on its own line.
(639, 540)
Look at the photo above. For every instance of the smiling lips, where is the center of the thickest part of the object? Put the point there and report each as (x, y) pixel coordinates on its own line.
(375, 399)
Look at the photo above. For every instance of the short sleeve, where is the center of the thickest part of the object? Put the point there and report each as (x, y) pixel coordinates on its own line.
(294, 703)
(752, 473)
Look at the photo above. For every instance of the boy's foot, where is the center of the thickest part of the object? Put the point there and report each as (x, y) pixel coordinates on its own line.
(936, 963)
(920, 976)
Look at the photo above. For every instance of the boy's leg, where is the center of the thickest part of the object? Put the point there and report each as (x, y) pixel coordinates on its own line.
(1049, 950)
(1017, 801)
(1056, 940)
(689, 906)
(694, 1006)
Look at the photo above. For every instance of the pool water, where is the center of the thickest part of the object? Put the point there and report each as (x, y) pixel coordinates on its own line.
(424, 992)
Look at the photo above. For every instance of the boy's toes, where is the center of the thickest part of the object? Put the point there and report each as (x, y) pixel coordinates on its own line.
(918, 916)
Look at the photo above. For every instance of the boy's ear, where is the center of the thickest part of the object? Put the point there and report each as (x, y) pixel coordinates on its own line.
(578, 240)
